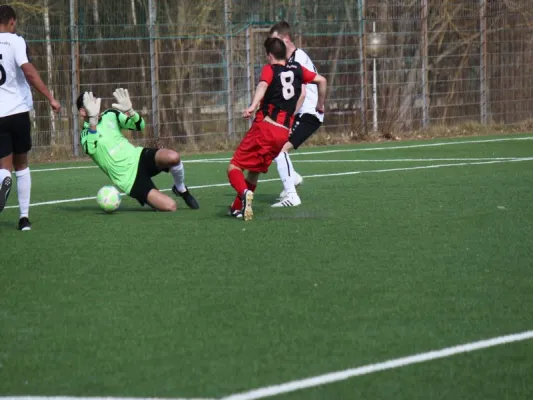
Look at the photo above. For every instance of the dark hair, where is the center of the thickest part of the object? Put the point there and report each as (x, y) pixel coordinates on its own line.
(282, 28)
(276, 47)
(7, 13)
(79, 101)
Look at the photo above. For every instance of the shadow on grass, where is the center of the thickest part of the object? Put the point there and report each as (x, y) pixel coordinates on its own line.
(95, 210)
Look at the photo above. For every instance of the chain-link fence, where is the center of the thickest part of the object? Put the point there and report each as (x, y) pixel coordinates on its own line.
(190, 65)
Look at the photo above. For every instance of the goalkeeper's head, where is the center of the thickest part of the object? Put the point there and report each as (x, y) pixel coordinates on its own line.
(89, 107)
(79, 102)
(81, 107)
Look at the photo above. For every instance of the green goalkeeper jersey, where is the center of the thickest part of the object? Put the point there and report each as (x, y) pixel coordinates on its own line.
(110, 150)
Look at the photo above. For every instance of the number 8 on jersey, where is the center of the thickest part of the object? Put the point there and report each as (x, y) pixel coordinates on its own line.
(287, 80)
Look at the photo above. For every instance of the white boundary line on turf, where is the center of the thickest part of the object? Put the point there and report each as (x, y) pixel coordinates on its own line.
(389, 160)
(225, 160)
(269, 391)
(305, 153)
(63, 169)
(94, 398)
(434, 166)
(332, 377)
(412, 146)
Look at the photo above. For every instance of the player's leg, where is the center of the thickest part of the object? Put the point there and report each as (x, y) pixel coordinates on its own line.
(22, 172)
(6, 166)
(21, 146)
(145, 192)
(244, 194)
(170, 161)
(304, 126)
(286, 170)
(160, 201)
(248, 156)
(6, 161)
(251, 183)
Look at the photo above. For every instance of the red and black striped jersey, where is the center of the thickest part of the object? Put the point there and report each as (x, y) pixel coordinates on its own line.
(284, 90)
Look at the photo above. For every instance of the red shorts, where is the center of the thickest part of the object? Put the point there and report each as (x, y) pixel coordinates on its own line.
(261, 144)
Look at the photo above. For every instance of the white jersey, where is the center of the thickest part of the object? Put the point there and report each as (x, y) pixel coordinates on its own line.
(311, 97)
(15, 93)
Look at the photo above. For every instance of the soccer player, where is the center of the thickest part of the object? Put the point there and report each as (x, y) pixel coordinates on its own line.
(15, 104)
(277, 94)
(130, 168)
(309, 118)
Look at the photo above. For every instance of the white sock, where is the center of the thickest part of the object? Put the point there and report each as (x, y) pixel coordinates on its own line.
(286, 172)
(294, 174)
(4, 173)
(178, 173)
(23, 191)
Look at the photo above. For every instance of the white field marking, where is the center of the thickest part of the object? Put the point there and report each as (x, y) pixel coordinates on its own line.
(44, 203)
(62, 169)
(410, 146)
(269, 391)
(304, 153)
(216, 161)
(410, 160)
(92, 398)
(225, 160)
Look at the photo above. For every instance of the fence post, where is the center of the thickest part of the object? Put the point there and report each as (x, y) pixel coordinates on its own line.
(362, 62)
(229, 64)
(74, 77)
(249, 67)
(425, 69)
(154, 66)
(483, 62)
(298, 16)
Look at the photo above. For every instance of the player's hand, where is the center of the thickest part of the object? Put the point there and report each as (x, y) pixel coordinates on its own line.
(92, 106)
(320, 112)
(55, 105)
(123, 103)
(248, 112)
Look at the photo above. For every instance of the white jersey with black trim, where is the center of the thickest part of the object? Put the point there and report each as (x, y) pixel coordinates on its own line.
(311, 97)
(15, 93)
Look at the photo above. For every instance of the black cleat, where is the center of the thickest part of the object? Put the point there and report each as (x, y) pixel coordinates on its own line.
(5, 189)
(234, 213)
(24, 224)
(187, 197)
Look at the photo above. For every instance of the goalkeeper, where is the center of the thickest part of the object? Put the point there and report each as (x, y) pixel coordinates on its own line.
(130, 168)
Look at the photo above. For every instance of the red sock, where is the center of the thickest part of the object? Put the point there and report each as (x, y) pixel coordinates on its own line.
(251, 186)
(236, 179)
(237, 203)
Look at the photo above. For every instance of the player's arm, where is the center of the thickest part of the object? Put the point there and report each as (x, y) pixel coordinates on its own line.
(88, 137)
(133, 123)
(302, 98)
(267, 75)
(260, 91)
(32, 75)
(321, 82)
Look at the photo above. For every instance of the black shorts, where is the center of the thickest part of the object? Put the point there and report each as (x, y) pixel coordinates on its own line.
(304, 126)
(15, 134)
(146, 169)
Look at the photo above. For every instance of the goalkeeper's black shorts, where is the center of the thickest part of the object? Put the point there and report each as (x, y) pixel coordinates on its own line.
(146, 169)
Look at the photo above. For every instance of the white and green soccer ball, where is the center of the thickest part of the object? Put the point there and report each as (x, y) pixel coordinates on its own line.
(108, 198)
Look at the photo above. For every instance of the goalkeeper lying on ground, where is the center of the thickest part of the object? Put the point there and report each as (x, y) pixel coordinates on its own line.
(130, 168)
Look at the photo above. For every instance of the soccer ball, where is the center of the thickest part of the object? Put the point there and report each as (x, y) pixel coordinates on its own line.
(108, 198)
